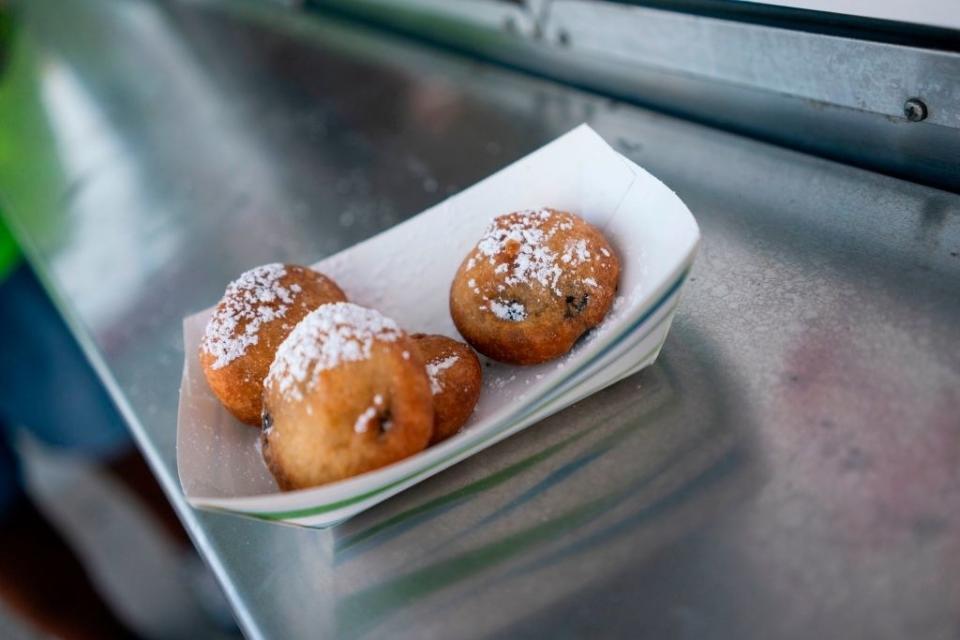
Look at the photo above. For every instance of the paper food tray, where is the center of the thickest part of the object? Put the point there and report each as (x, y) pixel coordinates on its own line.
(653, 232)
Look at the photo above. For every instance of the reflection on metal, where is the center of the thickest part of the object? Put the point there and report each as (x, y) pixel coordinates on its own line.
(89, 150)
(837, 96)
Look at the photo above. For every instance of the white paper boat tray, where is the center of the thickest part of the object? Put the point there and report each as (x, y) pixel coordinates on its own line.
(406, 271)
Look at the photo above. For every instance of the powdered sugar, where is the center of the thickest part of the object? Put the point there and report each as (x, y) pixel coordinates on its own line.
(513, 311)
(534, 260)
(435, 368)
(576, 252)
(527, 235)
(363, 420)
(251, 301)
(330, 335)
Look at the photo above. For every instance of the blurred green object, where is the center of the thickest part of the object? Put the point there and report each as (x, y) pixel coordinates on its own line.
(9, 253)
(32, 182)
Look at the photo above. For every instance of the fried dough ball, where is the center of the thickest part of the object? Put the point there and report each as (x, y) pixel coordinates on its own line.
(346, 394)
(257, 312)
(535, 282)
(455, 376)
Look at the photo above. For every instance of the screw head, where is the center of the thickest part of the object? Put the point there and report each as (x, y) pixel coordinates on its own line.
(915, 110)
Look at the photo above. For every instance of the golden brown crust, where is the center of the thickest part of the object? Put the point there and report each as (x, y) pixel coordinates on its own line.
(348, 417)
(234, 365)
(455, 380)
(534, 284)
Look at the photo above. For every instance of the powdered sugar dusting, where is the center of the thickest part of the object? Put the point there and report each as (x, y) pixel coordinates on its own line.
(577, 251)
(330, 335)
(621, 304)
(534, 260)
(513, 311)
(363, 420)
(526, 236)
(435, 367)
(251, 301)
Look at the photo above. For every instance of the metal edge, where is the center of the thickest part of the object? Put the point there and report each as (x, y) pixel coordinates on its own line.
(865, 130)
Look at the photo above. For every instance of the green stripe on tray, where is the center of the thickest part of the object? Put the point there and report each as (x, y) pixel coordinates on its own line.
(306, 512)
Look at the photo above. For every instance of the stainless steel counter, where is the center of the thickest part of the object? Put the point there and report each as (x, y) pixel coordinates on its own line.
(789, 468)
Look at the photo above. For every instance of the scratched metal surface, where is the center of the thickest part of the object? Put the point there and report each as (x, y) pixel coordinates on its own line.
(789, 468)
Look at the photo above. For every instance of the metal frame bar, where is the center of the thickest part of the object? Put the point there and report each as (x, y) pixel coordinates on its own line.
(840, 97)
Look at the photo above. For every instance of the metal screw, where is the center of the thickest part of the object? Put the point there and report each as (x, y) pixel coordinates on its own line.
(915, 110)
(563, 37)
